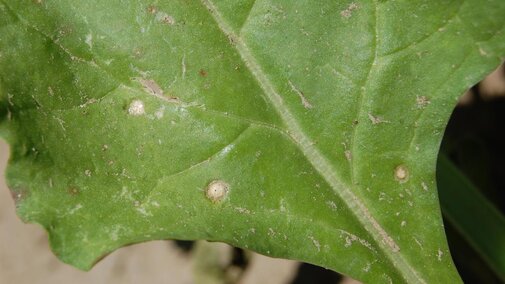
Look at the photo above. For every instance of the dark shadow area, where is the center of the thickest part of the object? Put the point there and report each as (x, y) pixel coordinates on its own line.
(184, 246)
(311, 274)
(475, 142)
(239, 258)
(470, 265)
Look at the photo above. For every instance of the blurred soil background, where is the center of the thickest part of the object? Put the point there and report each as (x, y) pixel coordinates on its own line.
(474, 141)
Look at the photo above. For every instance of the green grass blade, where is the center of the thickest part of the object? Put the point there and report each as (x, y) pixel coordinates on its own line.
(479, 222)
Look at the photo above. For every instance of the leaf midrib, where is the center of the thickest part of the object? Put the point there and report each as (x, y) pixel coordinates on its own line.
(313, 155)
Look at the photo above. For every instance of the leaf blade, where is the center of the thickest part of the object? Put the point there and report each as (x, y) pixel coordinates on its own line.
(262, 106)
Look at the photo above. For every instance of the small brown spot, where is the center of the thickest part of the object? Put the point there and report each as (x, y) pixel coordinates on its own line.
(233, 39)
(73, 191)
(203, 73)
(401, 173)
(18, 194)
(161, 16)
(152, 9)
(169, 20)
(173, 99)
(138, 53)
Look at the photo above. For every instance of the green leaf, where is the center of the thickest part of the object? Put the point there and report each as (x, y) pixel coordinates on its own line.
(478, 221)
(315, 125)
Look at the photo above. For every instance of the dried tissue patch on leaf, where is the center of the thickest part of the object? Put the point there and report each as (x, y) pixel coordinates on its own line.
(306, 104)
(315, 243)
(136, 108)
(424, 186)
(89, 40)
(162, 16)
(347, 13)
(217, 190)
(348, 155)
(422, 101)
(376, 119)
(401, 173)
(152, 88)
